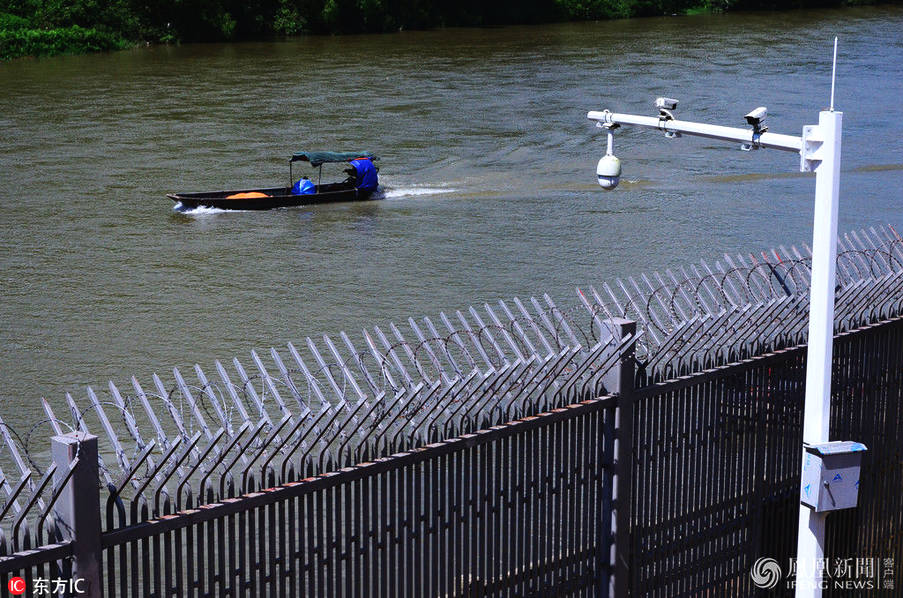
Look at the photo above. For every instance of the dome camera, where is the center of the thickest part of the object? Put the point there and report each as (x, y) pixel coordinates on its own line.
(608, 172)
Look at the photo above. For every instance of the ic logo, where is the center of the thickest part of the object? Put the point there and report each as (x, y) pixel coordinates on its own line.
(16, 586)
(765, 573)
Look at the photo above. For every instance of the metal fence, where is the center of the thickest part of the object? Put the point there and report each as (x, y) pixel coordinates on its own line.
(702, 316)
(717, 467)
(513, 510)
(335, 471)
(522, 508)
(670, 489)
(206, 512)
(716, 476)
(867, 406)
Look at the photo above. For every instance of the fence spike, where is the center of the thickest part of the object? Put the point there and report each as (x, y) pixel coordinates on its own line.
(425, 344)
(384, 368)
(390, 352)
(368, 377)
(533, 326)
(503, 329)
(444, 344)
(127, 415)
(485, 330)
(312, 383)
(230, 388)
(455, 334)
(475, 340)
(593, 309)
(406, 346)
(51, 417)
(248, 388)
(268, 382)
(174, 413)
(162, 436)
(561, 319)
(348, 375)
(325, 368)
(192, 404)
(218, 405)
(108, 428)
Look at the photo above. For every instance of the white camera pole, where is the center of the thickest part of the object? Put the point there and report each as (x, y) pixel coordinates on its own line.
(819, 149)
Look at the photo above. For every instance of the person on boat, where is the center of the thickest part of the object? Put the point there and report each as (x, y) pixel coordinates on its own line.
(304, 186)
(363, 174)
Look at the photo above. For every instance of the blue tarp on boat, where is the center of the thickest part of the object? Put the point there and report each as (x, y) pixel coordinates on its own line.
(366, 179)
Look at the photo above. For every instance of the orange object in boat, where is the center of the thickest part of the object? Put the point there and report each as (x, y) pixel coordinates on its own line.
(247, 195)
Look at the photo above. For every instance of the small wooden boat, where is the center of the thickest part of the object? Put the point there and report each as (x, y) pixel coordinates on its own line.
(361, 185)
(273, 197)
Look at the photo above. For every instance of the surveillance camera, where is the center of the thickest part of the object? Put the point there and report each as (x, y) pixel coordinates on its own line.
(757, 116)
(665, 106)
(666, 103)
(608, 172)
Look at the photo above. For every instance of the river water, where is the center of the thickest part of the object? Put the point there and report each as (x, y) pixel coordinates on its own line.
(488, 162)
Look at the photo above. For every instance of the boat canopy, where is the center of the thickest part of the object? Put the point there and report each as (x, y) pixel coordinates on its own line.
(320, 158)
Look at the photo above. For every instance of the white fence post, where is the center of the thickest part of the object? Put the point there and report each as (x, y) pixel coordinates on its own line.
(78, 508)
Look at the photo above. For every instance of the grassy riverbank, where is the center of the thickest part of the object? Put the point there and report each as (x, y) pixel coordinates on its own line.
(47, 27)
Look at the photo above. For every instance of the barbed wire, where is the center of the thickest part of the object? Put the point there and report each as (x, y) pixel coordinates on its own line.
(508, 362)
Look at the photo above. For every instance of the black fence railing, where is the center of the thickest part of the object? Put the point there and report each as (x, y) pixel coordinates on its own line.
(519, 509)
(867, 406)
(716, 476)
(670, 489)
(717, 460)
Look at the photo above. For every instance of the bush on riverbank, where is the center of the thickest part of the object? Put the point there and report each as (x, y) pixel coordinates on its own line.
(44, 27)
(48, 42)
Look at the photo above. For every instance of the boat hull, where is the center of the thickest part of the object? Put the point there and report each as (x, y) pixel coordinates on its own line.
(277, 197)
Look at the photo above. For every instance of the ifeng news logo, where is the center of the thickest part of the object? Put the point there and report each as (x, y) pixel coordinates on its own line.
(765, 573)
(859, 573)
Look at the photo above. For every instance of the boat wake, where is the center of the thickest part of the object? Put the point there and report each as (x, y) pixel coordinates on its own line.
(200, 210)
(414, 191)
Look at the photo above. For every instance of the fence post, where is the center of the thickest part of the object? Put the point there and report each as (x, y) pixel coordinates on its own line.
(78, 507)
(620, 381)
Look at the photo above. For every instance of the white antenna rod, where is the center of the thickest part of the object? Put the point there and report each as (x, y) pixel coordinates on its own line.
(833, 73)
